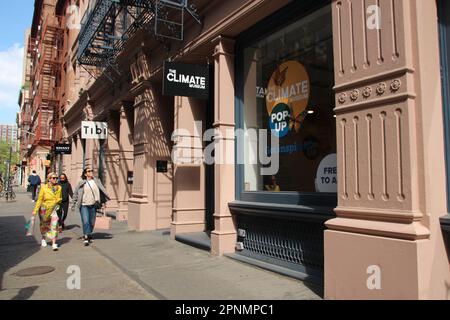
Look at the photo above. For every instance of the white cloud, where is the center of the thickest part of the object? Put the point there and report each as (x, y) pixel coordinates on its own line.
(11, 66)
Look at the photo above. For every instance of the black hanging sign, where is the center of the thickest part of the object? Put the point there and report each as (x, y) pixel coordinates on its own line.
(186, 80)
(63, 149)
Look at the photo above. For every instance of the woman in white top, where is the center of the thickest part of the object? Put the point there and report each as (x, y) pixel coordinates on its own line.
(89, 196)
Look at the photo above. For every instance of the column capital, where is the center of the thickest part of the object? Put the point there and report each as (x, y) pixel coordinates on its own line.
(223, 46)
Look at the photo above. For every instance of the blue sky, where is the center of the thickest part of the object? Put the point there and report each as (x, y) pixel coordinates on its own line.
(15, 18)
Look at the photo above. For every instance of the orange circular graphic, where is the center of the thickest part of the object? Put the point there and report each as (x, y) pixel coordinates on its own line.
(290, 84)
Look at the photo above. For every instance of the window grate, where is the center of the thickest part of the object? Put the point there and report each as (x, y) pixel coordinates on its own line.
(292, 243)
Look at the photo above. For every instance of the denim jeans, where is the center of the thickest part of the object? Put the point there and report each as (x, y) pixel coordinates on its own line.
(88, 217)
(34, 193)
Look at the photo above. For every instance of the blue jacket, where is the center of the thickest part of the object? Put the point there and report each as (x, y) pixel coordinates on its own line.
(34, 180)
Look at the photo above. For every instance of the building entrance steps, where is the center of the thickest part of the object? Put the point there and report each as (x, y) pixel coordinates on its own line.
(200, 240)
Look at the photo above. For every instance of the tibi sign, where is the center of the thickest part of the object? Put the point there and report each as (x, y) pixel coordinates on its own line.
(94, 130)
(186, 80)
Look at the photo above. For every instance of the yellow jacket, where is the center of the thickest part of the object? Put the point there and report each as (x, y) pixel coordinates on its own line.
(48, 199)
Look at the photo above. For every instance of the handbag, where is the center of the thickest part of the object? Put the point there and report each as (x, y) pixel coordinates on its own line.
(97, 204)
(103, 222)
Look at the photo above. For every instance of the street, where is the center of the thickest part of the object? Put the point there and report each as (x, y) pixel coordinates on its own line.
(126, 265)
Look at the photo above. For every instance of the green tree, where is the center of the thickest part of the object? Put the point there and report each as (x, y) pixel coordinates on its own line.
(4, 157)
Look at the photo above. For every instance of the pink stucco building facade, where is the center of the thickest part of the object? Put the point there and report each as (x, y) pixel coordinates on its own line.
(358, 81)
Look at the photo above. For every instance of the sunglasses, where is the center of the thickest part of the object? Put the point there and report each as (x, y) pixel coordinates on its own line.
(90, 171)
(53, 178)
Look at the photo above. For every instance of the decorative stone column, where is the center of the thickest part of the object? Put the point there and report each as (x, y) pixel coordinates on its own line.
(90, 146)
(79, 157)
(223, 238)
(74, 175)
(386, 242)
(125, 158)
(113, 174)
(150, 206)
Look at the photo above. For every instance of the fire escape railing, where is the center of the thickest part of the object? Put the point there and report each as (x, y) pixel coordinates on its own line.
(108, 24)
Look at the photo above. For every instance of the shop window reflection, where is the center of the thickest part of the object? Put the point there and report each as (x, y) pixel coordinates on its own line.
(293, 74)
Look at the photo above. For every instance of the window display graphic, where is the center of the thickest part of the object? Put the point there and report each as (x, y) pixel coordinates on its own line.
(326, 180)
(287, 97)
(292, 70)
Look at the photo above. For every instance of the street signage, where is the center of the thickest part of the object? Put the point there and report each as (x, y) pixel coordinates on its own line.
(130, 177)
(63, 149)
(94, 130)
(162, 166)
(186, 80)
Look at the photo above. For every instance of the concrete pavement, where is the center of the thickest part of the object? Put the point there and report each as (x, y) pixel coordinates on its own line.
(124, 265)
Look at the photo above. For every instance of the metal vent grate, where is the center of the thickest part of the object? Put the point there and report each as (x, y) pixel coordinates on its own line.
(289, 242)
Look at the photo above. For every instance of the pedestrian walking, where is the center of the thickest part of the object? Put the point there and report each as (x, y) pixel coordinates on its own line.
(35, 182)
(67, 193)
(47, 205)
(89, 196)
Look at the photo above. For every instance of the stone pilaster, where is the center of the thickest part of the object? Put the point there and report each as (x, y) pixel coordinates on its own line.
(113, 174)
(150, 206)
(125, 158)
(223, 238)
(390, 154)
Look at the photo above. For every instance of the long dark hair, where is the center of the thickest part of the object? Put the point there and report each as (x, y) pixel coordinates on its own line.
(83, 176)
(65, 176)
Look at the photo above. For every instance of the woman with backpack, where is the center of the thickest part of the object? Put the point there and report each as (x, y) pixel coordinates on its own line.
(89, 196)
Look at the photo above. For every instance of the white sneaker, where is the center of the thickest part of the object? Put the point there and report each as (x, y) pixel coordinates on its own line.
(43, 243)
(55, 247)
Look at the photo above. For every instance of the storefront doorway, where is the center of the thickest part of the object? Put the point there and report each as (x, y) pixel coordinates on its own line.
(209, 168)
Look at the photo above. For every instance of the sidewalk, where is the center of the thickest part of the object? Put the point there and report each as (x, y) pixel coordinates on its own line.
(129, 265)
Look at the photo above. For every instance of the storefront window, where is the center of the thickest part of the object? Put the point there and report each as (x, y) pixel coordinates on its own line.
(288, 79)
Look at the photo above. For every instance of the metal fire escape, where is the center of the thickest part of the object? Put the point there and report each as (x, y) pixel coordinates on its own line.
(108, 24)
(45, 89)
(25, 111)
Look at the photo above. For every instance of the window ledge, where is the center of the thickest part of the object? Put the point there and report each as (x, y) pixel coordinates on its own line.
(300, 212)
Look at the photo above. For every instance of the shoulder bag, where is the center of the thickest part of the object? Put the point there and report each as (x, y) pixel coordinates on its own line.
(97, 204)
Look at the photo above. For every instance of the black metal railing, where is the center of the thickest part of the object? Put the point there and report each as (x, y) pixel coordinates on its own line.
(93, 21)
(105, 28)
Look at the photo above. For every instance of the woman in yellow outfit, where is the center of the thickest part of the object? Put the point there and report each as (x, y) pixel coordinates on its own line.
(47, 205)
